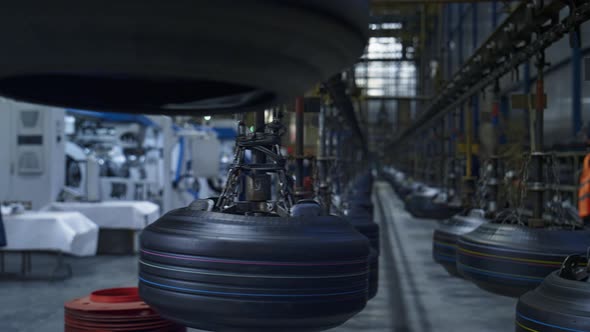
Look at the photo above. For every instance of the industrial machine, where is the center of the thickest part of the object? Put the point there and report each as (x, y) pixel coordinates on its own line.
(195, 162)
(32, 168)
(82, 175)
(119, 157)
(123, 169)
(32, 176)
(126, 149)
(226, 133)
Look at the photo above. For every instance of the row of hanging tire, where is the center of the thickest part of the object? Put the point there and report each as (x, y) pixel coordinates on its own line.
(516, 261)
(420, 200)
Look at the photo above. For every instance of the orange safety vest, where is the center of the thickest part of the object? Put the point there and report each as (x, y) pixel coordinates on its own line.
(584, 191)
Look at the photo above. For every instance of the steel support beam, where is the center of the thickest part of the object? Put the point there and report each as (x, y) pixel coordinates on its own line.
(399, 98)
(299, 140)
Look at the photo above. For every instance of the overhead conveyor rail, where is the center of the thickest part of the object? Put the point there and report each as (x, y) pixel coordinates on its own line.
(526, 32)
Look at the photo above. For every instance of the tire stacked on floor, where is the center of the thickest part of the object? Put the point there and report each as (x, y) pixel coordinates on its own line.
(126, 63)
(510, 260)
(364, 224)
(218, 271)
(118, 309)
(446, 236)
(560, 303)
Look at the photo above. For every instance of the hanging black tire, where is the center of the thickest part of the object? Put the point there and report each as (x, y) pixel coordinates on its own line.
(556, 305)
(363, 184)
(177, 56)
(403, 191)
(511, 260)
(363, 203)
(424, 206)
(407, 188)
(373, 274)
(225, 272)
(360, 192)
(364, 224)
(445, 237)
(395, 180)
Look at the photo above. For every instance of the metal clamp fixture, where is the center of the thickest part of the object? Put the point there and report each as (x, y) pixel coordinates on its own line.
(265, 144)
(574, 268)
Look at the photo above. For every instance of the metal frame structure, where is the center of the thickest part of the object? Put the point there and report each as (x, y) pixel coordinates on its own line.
(513, 43)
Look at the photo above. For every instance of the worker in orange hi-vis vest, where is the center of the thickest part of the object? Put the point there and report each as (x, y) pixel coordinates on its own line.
(584, 191)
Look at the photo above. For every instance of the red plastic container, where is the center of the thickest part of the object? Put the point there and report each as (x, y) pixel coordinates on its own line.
(117, 310)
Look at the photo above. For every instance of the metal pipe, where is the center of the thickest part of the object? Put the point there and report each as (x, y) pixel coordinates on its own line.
(442, 156)
(459, 31)
(324, 177)
(299, 139)
(493, 181)
(537, 143)
(576, 83)
(452, 155)
(468, 180)
(259, 157)
(322, 141)
(422, 50)
(539, 109)
(468, 143)
(449, 17)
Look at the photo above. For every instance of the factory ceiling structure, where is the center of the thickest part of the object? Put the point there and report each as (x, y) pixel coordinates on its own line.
(393, 71)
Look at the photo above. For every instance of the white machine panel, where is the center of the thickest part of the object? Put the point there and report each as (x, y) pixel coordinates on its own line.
(29, 150)
(205, 153)
(33, 156)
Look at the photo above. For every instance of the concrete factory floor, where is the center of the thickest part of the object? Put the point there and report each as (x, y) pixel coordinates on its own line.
(422, 296)
(415, 294)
